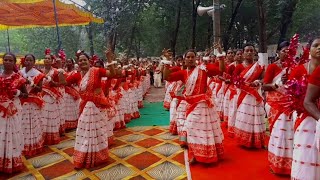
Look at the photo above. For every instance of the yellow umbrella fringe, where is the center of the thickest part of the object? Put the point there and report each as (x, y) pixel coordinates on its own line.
(4, 27)
(23, 1)
(58, 4)
(82, 13)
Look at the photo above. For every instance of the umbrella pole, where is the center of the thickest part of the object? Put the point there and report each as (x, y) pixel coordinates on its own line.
(57, 24)
(8, 37)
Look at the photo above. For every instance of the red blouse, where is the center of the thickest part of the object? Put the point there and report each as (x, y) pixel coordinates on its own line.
(175, 68)
(315, 77)
(182, 75)
(10, 85)
(93, 91)
(238, 69)
(76, 78)
(54, 77)
(230, 69)
(272, 71)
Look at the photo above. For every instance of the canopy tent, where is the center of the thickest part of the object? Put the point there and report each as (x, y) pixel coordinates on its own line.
(41, 13)
(22, 1)
(36, 13)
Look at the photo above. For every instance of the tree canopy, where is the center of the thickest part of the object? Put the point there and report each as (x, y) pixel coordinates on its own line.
(144, 27)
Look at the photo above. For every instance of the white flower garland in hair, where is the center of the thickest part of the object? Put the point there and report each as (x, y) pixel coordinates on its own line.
(61, 70)
(166, 62)
(203, 67)
(48, 79)
(223, 54)
(113, 62)
(18, 93)
(206, 58)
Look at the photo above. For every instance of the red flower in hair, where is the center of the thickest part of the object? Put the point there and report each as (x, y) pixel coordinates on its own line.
(47, 51)
(95, 58)
(79, 52)
(62, 55)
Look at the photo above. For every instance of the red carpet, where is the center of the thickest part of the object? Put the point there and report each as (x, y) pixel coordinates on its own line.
(238, 163)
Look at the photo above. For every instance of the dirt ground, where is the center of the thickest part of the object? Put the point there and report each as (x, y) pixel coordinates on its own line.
(155, 94)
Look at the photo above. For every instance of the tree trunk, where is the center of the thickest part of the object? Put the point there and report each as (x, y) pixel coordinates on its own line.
(262, 26)
(286, 19)
(217, 24)
(176, 30)
(194, 22)
(210, 26)
(138, 49)
(111, 40)
(231, 23)
(90, 36)
(114, 41)
(131, 40)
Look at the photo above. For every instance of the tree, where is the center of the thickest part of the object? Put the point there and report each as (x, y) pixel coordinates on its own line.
(194, 22)
(262, 26)
(231, 24)
(289, 7)
(176, 30)
(144, 27)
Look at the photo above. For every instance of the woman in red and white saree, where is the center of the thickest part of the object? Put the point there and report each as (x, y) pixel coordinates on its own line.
(31, 115)
(139, 82)
(230, 104)
(132, 94)
(62, 76)
(115, 95)
(167, 97)
(280, 116)
(176, 99)
(71, 99)
(176, 95)
(11, 138)
(110, 110)
(312, 106)
(306, 155)
(145, 78)
(222, 86)
(227, 80)
(234, 95)
(250, 126)
(119, 98)
(125, 100)
(157, 78)
(203, 131)
(51, 96)
(171, 87)
(91, 144)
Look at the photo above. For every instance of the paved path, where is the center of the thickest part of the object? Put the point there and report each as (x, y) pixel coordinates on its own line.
(155, 94)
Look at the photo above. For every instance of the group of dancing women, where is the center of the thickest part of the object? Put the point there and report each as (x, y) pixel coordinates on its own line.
(233, 94)
(38, 106)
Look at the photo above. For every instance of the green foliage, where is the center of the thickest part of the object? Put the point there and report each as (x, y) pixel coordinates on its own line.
(145, 27)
